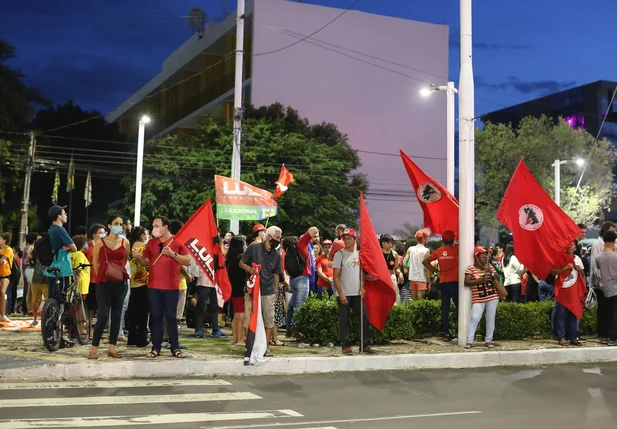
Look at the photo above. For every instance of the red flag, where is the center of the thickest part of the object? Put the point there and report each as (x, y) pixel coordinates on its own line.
(256, 336)
(438, 204)
(570, 287)
(380, 294)
(199, 235)
(285, 178)
(541, 231)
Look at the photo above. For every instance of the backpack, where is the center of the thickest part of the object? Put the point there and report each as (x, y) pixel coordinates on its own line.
(294, 262)
(44, 252)
(15, 272)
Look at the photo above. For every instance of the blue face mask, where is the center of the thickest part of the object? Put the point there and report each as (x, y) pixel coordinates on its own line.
(116, 229)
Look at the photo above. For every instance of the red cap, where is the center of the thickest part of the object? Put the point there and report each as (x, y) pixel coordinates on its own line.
(349, 231)
(479, 250)
(448, 236)
(259, 227)
(326, 242)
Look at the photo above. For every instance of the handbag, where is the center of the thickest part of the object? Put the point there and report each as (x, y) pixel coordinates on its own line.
(113, 272)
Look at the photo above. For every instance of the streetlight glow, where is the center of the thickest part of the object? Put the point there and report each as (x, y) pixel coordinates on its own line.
(425, 92)
(145, 119)
(580, 162)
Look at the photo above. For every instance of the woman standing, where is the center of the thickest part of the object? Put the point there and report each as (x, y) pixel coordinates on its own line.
(110, 257)
(237, 278)
(137, 312)
(482, 278)
(6, 262)
(512, 271)
(418, 279)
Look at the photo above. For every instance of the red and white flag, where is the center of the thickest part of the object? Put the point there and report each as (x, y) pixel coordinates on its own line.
(541, 231)
(256, 336)
(380, 295)
(439, 206)
(570, 287)
(285, 178)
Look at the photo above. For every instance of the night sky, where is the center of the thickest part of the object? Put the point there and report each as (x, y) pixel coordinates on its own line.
(99, 53)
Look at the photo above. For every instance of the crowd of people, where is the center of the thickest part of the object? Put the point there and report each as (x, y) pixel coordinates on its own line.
(142, 283)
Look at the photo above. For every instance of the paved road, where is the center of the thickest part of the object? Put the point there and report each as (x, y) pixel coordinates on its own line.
(564, 397)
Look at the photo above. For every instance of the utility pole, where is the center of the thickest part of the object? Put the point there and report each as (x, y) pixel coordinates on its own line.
(238, 110)
(26, 202)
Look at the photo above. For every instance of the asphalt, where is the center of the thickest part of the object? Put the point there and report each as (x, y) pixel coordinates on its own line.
(564, 397)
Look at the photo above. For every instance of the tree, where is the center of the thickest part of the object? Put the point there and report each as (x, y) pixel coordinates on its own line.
(407, 231)
(181, 168)
(540, 141)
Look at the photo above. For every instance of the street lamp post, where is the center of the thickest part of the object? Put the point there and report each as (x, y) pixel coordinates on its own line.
(557, 165)
(140, 167)
(450, 126)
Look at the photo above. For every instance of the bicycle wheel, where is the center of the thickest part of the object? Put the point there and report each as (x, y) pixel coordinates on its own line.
(51, 327)
(80, 319)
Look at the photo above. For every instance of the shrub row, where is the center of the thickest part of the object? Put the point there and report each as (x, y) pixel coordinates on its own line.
(316, 321)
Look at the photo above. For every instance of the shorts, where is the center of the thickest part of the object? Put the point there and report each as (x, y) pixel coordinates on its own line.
(267, 310)
(414, 285)
(38, 289)
(238, 304)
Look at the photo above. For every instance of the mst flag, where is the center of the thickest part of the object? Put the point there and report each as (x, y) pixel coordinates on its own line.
(200, 235)
(256, 336)
(241, 201)
(439, 206)
(541, 231)
(54, 192)
(380, 294)
(88, 190)
(285, 178)
(570, 287)
(70, 177)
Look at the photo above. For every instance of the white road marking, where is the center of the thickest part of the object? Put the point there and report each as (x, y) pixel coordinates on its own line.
(597, 413)
(291, 413)
(111, 384)
(125, 400)
(326, 422)
(156, 419)
(596, 370)
(526, 374)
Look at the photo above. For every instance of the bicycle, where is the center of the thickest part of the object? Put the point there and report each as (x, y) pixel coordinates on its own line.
(72, 312)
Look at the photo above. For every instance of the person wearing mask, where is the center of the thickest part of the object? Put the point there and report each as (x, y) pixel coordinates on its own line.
(226, 241)
(607, 263)
(416, 255)
(138, 309)
(110, 256)
(164, 256)
(6, 262)
(237, 278)
(324, 269)
(604, 313)
(447, 258)
(513, 271)
(481, 277)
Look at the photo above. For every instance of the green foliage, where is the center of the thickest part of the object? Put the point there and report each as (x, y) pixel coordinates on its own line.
(179, 170)
(499, 148)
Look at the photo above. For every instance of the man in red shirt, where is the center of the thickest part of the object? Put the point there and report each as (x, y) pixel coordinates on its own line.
(447, 256)
(164, 256)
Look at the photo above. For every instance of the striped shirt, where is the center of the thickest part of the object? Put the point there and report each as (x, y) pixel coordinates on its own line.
(485, 292)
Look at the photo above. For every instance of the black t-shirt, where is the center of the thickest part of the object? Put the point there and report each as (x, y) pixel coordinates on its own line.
(237, 276)
(270, 264)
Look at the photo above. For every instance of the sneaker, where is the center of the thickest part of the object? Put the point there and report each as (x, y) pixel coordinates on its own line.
(199, 333)
(347, 351)
(219, 334)
(581, 339)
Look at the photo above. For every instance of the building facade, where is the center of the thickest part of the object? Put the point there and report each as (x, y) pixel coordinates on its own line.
(363, 73)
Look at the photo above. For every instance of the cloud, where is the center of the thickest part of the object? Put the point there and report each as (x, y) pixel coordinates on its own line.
(542, 87)
(455, 43)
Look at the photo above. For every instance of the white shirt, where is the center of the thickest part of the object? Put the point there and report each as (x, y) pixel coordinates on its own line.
(513, 272)
(417, 254)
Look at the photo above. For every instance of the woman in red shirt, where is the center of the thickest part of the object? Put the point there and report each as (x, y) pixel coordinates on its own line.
(325, 270)
(110, 293)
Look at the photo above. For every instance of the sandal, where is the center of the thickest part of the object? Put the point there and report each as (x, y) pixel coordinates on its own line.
(94, 354)
(563, 343)
(153, 353)
(489, 345)
(113, 354)
(268, 354)
(468, 346)
(178, 354)
(276, 342)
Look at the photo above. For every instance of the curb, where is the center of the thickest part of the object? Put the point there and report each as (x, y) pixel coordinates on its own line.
(307, 365)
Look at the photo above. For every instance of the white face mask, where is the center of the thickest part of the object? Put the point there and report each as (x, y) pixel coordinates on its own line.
(102, 235)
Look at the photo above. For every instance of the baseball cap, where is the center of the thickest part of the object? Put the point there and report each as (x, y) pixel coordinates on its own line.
(448, 236)
(55, 210)
(479, 250)
(349, 231)
(326, 242)
(258, 227)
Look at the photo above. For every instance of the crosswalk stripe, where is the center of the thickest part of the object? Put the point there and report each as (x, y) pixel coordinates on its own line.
(140, 420)
(111, 384)
(124, 400)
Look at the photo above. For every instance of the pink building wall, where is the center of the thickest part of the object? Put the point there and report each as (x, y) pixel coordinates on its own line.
(379, 110)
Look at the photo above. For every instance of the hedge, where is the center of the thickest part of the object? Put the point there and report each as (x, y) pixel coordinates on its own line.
(316, 321)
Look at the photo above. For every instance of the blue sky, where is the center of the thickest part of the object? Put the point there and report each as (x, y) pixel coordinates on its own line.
(99, 53)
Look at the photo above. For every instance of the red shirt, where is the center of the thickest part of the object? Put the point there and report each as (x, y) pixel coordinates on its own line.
(303, 249)
(327, 268)
(90, 256)
(447, 256)
(164, 270)
(114, 257)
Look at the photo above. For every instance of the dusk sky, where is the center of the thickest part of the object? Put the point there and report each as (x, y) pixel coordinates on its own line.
(99, 53)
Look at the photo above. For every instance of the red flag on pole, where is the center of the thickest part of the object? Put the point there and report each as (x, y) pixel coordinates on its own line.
(541, 231)
(256, 336)
(380, 294)
(439, 206)
(199, 235)
(285, 178)
(570, 287)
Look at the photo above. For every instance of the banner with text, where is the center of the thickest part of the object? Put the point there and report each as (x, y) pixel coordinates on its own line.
(240, 201)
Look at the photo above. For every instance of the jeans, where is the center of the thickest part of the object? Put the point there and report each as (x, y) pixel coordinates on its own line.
(605, 315)
(137, 317)
(476, 315)
(163, 309)
(125, 305)
(110, 297)
(207, 296)
(566, 323)
(299, 288)
(11, 294)
(546, 291)
(514, 292)
(58, 291)
(449, 291)
(322, 291)
(353, 304)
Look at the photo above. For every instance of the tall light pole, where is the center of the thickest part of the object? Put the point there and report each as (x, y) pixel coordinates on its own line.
(236, 164)
(466, 169)
(557, 165)
(450, 126)
(140, 167)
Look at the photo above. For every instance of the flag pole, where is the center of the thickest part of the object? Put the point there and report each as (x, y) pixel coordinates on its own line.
(70, 209)
(361, 315)
(87, 213)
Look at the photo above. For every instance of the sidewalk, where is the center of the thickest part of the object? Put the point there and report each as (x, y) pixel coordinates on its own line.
(22, 357)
